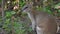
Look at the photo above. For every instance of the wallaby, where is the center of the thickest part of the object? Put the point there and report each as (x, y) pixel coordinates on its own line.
(43, 22)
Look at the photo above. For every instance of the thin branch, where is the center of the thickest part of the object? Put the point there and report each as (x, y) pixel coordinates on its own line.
(3, 11)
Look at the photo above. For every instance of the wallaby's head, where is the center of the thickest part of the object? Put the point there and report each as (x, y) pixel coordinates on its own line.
(27, 8)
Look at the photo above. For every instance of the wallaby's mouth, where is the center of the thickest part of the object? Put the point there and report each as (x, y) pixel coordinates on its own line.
(22, 10)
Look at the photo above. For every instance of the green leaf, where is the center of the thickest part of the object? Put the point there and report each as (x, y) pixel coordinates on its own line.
(56, 6)
(13, 12)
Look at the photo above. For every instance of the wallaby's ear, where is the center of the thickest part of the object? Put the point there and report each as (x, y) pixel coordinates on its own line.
(28, 2)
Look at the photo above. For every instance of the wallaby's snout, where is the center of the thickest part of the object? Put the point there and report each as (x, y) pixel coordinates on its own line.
(24, 8)
(27, 8)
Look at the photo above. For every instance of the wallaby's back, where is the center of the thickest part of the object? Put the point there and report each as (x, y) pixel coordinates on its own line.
(46, 23)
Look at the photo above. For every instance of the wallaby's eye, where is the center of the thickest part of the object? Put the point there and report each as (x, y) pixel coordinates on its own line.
(25, 8)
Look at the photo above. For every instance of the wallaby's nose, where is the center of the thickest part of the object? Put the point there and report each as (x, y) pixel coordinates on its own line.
(22, 9)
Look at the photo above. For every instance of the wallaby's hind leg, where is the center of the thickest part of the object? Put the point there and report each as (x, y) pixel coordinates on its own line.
(41, 31)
